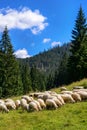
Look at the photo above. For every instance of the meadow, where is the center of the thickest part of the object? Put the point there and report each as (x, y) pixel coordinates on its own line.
(71, 116)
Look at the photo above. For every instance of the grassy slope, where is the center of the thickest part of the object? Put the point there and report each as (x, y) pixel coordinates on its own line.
(68, 117)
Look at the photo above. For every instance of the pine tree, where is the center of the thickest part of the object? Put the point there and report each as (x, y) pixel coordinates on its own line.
(77, 64)
(10, 81)
(37, 79)
(26, 79)
(56, 78)
(34, 78)
(61, 74)
(50, 82)
(42, 82)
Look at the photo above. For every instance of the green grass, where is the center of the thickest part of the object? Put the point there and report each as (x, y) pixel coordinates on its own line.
(68, 117)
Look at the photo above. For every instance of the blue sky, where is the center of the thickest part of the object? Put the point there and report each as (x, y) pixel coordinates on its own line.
(38, 25)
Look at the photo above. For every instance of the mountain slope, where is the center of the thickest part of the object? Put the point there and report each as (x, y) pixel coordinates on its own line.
(48, 61)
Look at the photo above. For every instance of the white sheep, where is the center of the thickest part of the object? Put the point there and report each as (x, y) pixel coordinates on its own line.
(24, 104)
(67, 98)
(46, 96)
(42, 103)
(40, 96)
(38, 104)
(3, 108)
(76, 96)
(59, 98)
(8, 100)
(27, 98)
(50, 103)
(57, 101)
(46, 92)
(50, 92)
(17, 103)
(82, 94)
(10, 105)
(33, 106)
(78, 90)
(66, 92)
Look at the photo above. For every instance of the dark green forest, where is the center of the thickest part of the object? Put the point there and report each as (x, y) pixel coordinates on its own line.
(57, 66)
(48, 61)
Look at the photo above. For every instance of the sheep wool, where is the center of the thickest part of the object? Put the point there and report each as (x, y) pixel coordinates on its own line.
(33, 106)
(24, 104)
(3, 108)
(42, 103)
(50, 103)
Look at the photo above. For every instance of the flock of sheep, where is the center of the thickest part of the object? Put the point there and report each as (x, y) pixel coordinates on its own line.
(44, 100)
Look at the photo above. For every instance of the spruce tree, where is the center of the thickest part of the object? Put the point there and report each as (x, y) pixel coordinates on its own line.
(34, 78)
(26, 79)
(37, 79)
(50, 82)
(77, 64)
(10, 81)
(61, 74)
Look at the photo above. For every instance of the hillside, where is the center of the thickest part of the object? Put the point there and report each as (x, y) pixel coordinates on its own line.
(68, 117)
(48, 61)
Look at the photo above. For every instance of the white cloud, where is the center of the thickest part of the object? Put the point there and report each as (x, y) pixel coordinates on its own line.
(22, 19)
(55, 43)
(21, 53)
(46, 40)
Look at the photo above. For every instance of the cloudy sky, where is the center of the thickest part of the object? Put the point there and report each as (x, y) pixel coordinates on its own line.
(38, 25)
